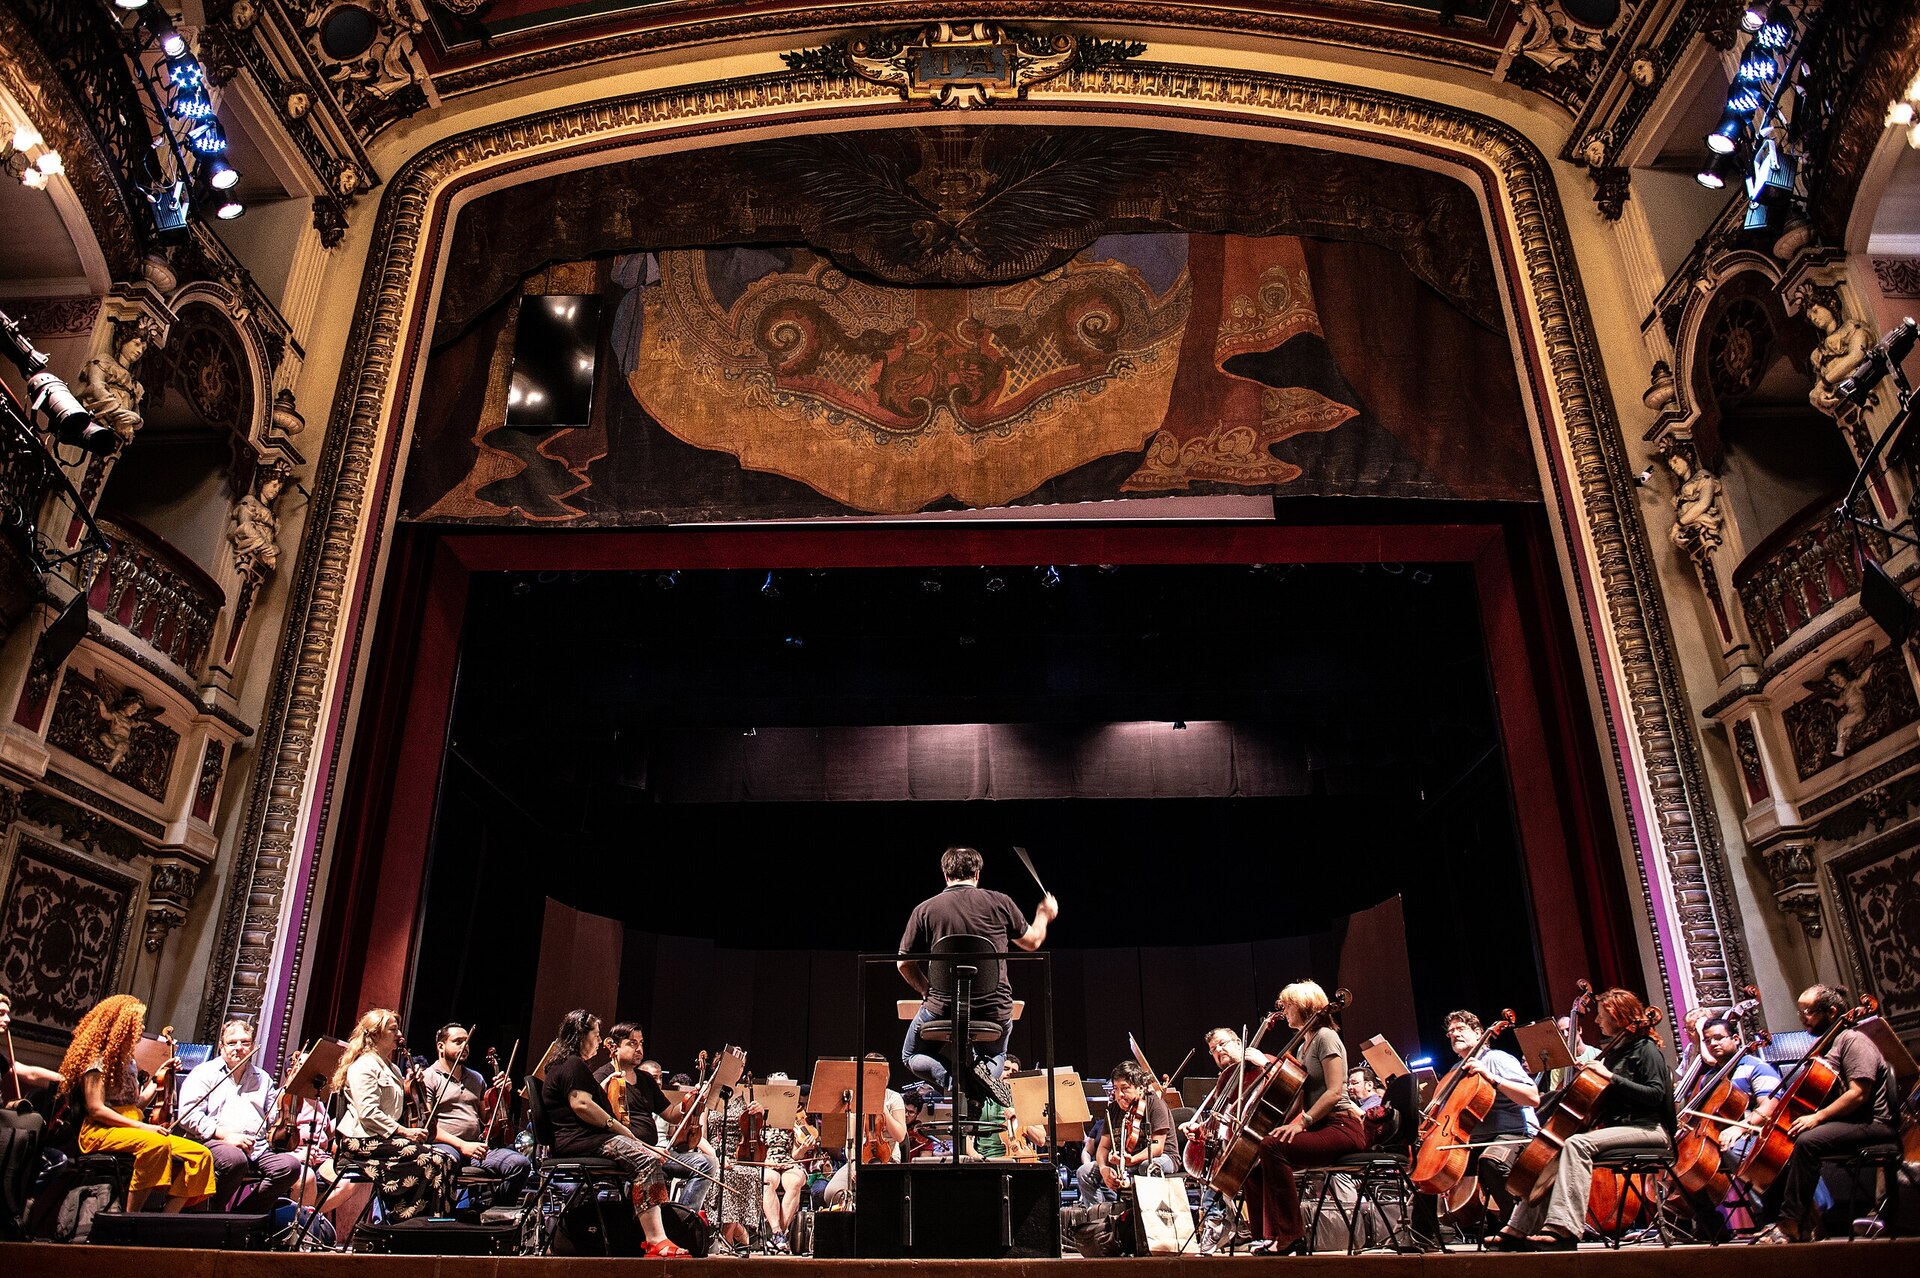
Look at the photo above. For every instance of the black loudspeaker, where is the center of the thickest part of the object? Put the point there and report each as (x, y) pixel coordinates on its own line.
(685, 1227)
(422, 1236)
(833, 1234)
(1886, 603)
(975, 1211)
(219, 1230)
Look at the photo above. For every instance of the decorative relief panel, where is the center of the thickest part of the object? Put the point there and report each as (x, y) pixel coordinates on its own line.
(114, 729)
(1899, 277)
(1747, 750)
(63, 929)
(1880, 898)
(1857, 699)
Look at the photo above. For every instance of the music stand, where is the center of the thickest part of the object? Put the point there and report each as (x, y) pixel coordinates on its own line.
(1386, 1063)
(1542, 1046)
(839, 1082)
(546, 1059)
(780, 1100)
(1071, 1115)
(314, 1081)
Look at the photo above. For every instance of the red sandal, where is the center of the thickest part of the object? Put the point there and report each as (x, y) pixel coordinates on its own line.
(665, 1249)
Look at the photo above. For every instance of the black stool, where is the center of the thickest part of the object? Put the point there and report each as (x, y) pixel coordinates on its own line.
(1888, 1163)
(965, 971)
(1641, 1174)
(1381, 1180)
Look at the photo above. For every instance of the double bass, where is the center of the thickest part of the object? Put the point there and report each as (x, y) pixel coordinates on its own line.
(1447, 1123)
(1804, 1088)
(1573, 1108)
(1265, 1104)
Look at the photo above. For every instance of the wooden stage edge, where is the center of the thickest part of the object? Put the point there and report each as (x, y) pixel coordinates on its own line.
(1867, 1259)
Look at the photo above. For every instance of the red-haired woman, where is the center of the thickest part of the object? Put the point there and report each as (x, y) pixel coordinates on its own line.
(1635, 1116)
(98, 1072)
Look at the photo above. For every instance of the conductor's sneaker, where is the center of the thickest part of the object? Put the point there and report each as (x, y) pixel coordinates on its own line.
(992, 1083)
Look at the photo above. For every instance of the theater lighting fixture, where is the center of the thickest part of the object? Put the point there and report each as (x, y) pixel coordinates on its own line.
(1754, 16)
(129, 4)
(768, 590)
(222, 175)
(1050, 577)
(1757, 68)
(229, 210)
(1714, 175)
(1776, 31)
(27, 156)
(1725, 138)
(1179, 725)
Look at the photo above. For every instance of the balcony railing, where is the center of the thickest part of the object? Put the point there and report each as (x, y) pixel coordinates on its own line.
(1799, 572)
(156, 592)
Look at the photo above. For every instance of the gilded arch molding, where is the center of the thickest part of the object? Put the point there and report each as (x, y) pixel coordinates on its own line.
(1682, 867)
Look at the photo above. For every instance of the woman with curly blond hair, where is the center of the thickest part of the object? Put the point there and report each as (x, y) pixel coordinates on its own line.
(409, 1174)
(99, 1071)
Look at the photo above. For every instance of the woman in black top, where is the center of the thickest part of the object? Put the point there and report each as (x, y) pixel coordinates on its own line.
(1635, 1116)
(583, 1125)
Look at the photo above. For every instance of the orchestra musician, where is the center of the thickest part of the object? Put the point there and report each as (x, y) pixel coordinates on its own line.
(1140, 1114)
(1362, 1090)
(98, 1072)
(1635, 1114)
(783, 1181)
(577, 1110)
(410, 1176)
(1753, 1077)
(455, 1096)
(1228, 1054)
(893, 1130)
(228, 1104)
(1510, 1123)
(648, 1112)
(1859, 1113)
(964, 908)
(21, 1125)
(1327, 1126)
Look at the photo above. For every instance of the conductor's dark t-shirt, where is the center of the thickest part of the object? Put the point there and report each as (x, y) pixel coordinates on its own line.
(965, 910)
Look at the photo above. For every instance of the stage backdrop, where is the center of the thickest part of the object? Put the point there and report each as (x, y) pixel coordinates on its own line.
(791, 1007)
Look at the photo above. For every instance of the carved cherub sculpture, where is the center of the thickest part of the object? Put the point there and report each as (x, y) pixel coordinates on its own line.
(121, 712)
(1696, 506)
(1843, 685)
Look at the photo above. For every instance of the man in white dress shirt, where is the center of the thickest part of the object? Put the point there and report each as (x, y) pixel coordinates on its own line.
(225, 1105)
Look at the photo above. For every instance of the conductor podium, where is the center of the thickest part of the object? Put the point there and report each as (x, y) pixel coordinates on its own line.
(964, 1211)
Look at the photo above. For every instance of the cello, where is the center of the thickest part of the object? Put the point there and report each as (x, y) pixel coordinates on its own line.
(1447, 1123)
(1203, 1144)
(1572, 1109)
(1696, 1159)
(1804, 1089)
(1266, 1104)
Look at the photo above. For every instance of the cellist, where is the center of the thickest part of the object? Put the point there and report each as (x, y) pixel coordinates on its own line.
(1751, 1076)
(1859, 1113)
(1510, 1123)
(1635, 1114)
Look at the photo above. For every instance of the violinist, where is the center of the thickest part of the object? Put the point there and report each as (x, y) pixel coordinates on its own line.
(1635, 1114)
(783, 1181)
(455, 1096)
(98, 1075)
(576, 1110)
(228, 1104)
(410, 1176)
(646, 1104)
(21, 1125)
(1859, 1113)
(1134, 1142)
(891, 1132)
(1510, 1123)
(1326, 1126)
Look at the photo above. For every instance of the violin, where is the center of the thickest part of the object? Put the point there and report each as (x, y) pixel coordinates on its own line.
(1018, 1147)
(1804, 1089)
(1446, 1125)
(1573, 1108)
(686, 1133)
(753, 1137)
(498, 1100)
(1267, 1103)
(160, 1112)
(1120, 1145)
(616, 1090)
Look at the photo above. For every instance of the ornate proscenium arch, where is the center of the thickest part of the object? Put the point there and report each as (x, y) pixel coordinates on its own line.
(1655, 756)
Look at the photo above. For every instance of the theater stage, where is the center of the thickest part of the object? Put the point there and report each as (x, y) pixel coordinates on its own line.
(1879, 1259)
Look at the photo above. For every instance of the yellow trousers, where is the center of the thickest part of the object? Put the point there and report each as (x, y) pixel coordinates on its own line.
(154, 1157)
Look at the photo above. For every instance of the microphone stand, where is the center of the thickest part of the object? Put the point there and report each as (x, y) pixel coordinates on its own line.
(726, 1139)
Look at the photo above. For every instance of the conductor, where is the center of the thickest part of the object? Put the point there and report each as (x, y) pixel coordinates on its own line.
(965, 908)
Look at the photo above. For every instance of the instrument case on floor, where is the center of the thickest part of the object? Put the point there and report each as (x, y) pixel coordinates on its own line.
(424, 1236)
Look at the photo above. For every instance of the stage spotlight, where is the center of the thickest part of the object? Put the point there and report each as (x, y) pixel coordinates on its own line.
(1745, 99)
(222, 175)
(667, 580)
(930, 584)
(207, 138)
(996, 583)
(1776, 31)
(1714, 175)
(751, 732)
(230, 210)
(768, 590)
(1754, 16)
(63, 634)
(1725, 138)
(1758, 68)
(129, 4)
(794, 641)
(1050, 578)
